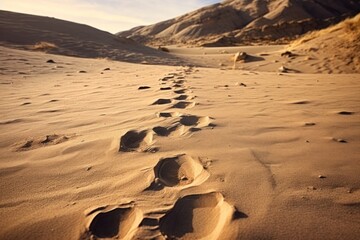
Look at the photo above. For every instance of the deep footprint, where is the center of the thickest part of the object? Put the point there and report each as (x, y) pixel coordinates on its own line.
(202, 216)
(183, 97)
(139, 141)
(168, 114)
(183, 105)
(162, 101)
(169, 131)
(110, 222)
(195, 121)
(179, 171)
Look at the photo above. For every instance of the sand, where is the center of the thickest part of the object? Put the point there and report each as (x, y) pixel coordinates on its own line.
(195, 153)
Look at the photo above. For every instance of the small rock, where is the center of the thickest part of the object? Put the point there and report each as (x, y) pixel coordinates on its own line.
(311, 188)
(81, 71)
(321, 176)
(310, 124)
(50, 61)
(164, 49)
(106, 69)
(240, 56)
(221, 64)
(88, 168)
(283, 69)
(287, 54)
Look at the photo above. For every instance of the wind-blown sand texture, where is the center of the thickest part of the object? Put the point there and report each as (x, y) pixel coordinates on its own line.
(102, 149)
(89, 154)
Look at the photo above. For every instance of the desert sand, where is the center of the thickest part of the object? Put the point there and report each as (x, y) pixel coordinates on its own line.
(93, 148)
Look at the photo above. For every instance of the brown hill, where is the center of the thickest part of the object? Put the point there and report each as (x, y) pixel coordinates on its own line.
(68, 38)
(235, 22)
(336, 48)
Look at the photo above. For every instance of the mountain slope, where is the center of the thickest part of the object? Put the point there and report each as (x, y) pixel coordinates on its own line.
(336, 48)
(67, 38)
(245, 21)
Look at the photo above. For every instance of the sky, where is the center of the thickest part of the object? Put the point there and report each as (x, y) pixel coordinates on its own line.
(108, 15)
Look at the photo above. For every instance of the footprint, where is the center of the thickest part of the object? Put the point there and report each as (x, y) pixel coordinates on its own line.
(143, 87)
(179, 171)
(202, 216)
(177, 130)
(181, 91)
(301, 102)
(192, 120)
(183, 105)
(113, 222)
(136, 141)
(183, 97)
(168, 114)
(165, 88)
(11, 121)
(346, 113)
(31, 144)
(340, 140)
(162, 101)
(179, 81)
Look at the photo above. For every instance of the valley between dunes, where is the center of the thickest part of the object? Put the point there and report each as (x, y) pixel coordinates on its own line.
(94, 148)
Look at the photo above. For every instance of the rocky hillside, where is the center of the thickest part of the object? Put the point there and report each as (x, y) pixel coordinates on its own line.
(234, 22)
(57, 36)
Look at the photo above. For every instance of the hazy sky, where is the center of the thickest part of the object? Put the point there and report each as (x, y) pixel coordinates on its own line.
(108, 15)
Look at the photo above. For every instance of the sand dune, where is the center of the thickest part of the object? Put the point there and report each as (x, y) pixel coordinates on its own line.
(57, 36)
(235, 22)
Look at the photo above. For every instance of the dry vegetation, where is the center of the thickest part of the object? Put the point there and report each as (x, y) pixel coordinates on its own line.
(350, 27)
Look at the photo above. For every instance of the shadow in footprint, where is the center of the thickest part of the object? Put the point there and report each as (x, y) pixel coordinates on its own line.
(183, 105)
(166, 131)
(301, 102)
(346, 113)
(201, 216)
(114, 222)
(168, 114)
(189, 120)
(182, 97)
(165, 88)
(179, 171)
(143, 87)
(136, 141)
(181, 91)
(162, 101)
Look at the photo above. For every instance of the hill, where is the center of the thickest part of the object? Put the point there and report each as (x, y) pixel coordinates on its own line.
(56, 36)
(235, 22)
(336, 47)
